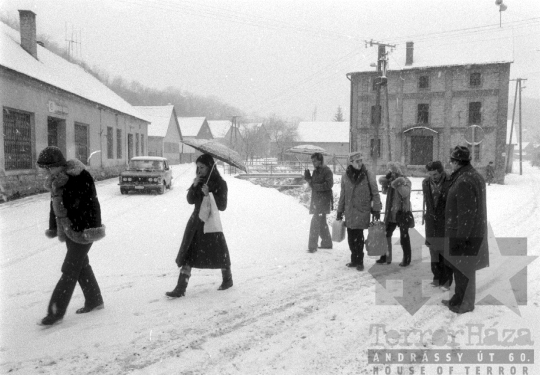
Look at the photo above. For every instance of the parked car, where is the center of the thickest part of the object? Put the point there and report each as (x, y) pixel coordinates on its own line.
(146, 173)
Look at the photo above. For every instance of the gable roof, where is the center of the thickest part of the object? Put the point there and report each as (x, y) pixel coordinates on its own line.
(58, 72)
(160, 118)
(219, 128)
(472, 50)
(318, 132)
(191, 125)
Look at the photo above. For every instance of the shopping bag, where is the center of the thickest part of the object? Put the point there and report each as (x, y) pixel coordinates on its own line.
(209, 213)
(338, 231)
(405, 219)
(376, 244)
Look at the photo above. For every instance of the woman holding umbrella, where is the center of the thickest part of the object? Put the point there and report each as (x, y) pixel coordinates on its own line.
(199, 249)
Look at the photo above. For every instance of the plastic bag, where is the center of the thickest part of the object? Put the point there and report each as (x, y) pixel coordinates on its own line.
(376, 244)
(209, 213)
(338, 231)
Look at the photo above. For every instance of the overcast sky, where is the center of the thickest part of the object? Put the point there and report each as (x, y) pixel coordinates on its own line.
(287, 57)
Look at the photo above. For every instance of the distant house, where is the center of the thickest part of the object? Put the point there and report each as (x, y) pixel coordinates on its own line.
(434, 95)
(332, 136)
(192, 127)
(164, 134)
(47, 100)
(224, 132)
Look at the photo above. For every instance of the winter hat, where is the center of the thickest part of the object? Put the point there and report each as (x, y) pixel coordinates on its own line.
(461, 153)
(355, 155)
(51, 156)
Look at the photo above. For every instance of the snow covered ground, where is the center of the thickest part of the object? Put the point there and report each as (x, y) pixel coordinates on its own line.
(289, 312)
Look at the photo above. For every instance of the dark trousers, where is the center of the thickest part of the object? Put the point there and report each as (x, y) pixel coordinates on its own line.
(355, 237)
(465, 293)
(319, 228)
(404, 240)
(76, 268)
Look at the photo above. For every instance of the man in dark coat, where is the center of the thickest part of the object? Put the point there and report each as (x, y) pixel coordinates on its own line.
(434, 189)
(465, 229)
(322, 201)
(75, 218)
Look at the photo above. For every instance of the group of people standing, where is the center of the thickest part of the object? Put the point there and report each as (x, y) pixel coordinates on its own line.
(455, 217)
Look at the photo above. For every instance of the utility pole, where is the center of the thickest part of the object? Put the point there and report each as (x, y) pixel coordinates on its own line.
(518, 90)
(381, 80)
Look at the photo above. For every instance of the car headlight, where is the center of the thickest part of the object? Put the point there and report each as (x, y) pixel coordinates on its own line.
(129, 178)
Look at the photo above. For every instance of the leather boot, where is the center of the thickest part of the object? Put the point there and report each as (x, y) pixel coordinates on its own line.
(60, 300)
(92, 294)
(227, 279)
(389, 253)
(180, 289)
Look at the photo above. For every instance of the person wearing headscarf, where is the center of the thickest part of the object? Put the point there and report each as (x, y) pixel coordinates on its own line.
(358, 200)
(199, 249)
(322, 202)
(74, 218)
(397, 188)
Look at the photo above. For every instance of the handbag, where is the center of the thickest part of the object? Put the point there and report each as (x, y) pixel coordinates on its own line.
(376, 244)
(404, 219)
(338, 231)
(209, 214)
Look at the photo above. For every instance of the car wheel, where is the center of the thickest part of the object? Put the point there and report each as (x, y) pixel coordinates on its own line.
(162, 188)
(123, 191)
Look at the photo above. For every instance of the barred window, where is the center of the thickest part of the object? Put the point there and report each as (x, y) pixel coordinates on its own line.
(119, 143)
(475, 113)
(372, 147)
(110, 142)
(17, 139)
(423, 82)
(475, 80)
(423, 114)
(81, 142)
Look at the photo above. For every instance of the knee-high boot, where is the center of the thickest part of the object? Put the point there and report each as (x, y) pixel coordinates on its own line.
(227, 279)
(60, 299)
(180, 289)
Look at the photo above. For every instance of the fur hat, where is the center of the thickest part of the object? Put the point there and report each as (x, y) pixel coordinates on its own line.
(461, 153)
(355, 155)
(50, 157)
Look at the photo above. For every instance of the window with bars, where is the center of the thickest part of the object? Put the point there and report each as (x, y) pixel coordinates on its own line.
(475, 80)
(119, 143)
(81, 142)
(476, 152)
(475, 113)
(17, 139)
(374, 114)
(423, 82)
(110, 143)
(372, 148)
(423, 114)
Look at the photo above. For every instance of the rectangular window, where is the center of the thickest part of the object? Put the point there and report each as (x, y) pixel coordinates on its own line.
(136, 144)
(476, 152)
(374, 83)
(52, 132)
(110, 142)
(421, 150)
(81, 142)
(130, 146)
(17, 139)
(119, 143)
(475, 80)
(142, 144)
(423, 82)
(372, 147)
(374, 116)
(423, 114)
(475, 113)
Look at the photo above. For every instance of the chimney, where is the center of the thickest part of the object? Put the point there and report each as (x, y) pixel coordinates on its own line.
(409, 56)
(28, 31)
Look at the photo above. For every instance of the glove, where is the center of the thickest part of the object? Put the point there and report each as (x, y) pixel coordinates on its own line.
(307, 174)
(339, 216)
(376, 215)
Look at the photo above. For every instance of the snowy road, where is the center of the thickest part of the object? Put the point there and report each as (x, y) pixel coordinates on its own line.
(289, 312)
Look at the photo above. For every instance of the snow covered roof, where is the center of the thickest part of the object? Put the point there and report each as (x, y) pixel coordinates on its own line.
(251, 125)
(58, 72)
(472, 50)
(159, 116)
(191, 125)
(219, 128)
(336, 132)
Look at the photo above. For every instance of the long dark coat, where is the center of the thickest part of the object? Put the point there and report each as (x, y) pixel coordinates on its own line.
(466, 218)
(434, 216)
(358, 198)
(322, 198)
(200, 250)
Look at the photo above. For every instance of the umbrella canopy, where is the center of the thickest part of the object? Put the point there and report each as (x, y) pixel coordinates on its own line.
(306, 150)
(218, 151)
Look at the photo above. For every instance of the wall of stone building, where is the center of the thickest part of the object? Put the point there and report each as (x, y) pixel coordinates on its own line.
(42, 101)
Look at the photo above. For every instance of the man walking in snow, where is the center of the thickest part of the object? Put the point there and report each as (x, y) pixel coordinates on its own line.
(434, 188)
(465, 229)
(322, 202)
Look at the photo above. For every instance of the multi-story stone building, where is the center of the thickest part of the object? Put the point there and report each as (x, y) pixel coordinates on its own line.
(428, 108)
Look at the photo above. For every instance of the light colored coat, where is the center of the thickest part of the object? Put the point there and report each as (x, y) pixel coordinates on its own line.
(357, 202)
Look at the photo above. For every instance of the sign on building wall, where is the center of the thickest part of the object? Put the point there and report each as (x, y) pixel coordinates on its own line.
(57, 108)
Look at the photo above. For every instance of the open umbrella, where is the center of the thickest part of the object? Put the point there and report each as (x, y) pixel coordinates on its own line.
(306, 150)
(218, 151)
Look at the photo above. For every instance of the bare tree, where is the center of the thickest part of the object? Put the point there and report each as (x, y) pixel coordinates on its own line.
(282, 135)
